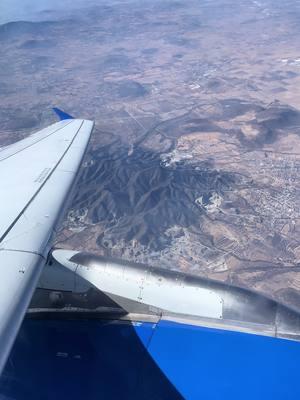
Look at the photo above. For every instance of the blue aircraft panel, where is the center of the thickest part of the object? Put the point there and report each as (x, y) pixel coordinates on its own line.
(215, 364)
(84, 359)
(98, 359)
(62, 114)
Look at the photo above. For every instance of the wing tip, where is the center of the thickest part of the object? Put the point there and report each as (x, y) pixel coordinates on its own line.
(61, 114)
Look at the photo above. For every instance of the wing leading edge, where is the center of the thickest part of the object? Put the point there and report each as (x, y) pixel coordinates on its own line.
(36, 176)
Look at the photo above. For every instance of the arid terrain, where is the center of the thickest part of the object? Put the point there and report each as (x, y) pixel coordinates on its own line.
(194, 161)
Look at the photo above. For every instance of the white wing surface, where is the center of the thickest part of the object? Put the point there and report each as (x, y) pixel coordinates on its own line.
(36, 176)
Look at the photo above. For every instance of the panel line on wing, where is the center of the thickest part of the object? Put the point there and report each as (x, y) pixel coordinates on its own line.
(40, 188)
(37, 141)
(24, 251)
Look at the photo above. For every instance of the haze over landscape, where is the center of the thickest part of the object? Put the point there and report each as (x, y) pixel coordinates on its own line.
(194, 161)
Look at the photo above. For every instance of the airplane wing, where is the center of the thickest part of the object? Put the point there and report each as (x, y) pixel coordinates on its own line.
(36, 176)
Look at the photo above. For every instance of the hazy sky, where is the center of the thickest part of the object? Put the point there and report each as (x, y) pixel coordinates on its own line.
(32, 10)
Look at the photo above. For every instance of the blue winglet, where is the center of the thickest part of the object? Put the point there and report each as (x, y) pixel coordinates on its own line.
(61, 114)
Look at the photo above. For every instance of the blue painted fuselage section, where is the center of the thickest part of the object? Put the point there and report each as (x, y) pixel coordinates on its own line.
(100, 359)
